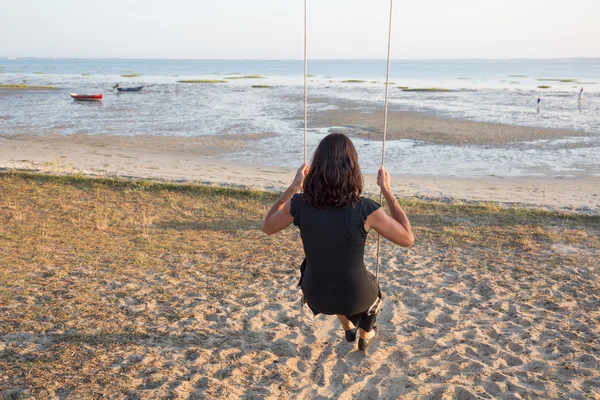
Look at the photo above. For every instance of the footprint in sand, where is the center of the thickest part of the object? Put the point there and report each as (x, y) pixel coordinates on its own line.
(511, 361)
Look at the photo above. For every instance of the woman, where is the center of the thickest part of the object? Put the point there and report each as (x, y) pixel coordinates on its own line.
(334, 221)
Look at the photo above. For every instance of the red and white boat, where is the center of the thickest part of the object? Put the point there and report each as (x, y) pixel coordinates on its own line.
(89, 97)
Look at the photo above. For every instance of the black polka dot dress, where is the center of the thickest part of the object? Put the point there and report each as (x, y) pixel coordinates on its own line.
(335, 279)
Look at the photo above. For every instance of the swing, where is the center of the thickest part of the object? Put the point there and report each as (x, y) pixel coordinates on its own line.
(374, 309)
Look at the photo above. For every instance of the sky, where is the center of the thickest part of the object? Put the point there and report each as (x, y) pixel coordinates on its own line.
(273, 29)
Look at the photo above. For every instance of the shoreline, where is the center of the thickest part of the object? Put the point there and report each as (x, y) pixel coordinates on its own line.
(196, 160)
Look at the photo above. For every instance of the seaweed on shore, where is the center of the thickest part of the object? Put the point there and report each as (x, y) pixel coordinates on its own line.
(202, 81)
(354, 81)
(22, 86)
(262, 86)
(544, 87)
(131, 75)
(425, 90)
(556, 80)
(247, 77)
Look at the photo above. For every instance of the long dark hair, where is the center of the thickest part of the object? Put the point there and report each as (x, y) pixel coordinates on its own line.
(334, 179)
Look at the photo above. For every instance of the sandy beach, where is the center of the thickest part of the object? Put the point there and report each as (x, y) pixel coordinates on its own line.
(144, 291)
(203, 160)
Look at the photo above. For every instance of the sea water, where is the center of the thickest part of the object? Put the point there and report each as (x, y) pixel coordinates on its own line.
(501, 91)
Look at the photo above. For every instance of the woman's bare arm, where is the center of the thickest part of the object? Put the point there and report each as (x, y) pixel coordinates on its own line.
(278, 218)
(396, 228)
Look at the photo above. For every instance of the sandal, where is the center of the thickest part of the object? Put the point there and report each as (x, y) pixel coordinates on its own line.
(363, 344)
(351, 334)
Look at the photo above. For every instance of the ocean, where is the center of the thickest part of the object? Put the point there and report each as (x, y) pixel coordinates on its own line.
(498, 91)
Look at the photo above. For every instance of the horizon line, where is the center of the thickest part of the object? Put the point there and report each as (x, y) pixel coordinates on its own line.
(10, 58)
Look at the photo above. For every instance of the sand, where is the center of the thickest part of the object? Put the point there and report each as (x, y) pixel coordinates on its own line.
(123, 293)
(197, 160)
(415, 126)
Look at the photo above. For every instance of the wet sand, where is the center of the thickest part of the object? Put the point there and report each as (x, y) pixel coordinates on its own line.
(203, 160)
(423, 127)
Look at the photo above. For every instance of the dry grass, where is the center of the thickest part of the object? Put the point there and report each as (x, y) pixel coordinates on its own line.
(109, 287)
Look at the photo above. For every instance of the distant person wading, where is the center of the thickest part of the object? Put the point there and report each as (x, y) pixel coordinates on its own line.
(334, 221)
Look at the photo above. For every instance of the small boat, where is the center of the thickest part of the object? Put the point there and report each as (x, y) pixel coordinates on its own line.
(89, 97)
(129, 89)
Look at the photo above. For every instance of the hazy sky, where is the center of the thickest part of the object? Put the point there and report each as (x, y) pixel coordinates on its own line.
(272, 29)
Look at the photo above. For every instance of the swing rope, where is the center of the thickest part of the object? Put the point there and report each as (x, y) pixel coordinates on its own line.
(385, 116)
(305, 84)
(385, 120)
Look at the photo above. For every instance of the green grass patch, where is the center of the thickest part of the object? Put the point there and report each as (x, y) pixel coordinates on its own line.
(354, 81)
(22, 86)
(202, 81)
(247, 77)
(544, 87)
(425, 90)
(262, 86)
(131, 75)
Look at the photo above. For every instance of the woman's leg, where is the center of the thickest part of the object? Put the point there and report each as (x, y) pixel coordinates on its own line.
(366, 325)
(366, 335)
(346, 323)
